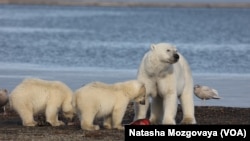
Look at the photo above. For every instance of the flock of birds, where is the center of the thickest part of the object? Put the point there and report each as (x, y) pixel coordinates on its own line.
(202, 92)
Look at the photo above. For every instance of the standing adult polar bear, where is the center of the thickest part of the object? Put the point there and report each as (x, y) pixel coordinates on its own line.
(167, 77)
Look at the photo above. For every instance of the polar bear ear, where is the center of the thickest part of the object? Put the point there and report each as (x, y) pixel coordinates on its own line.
(152, 46)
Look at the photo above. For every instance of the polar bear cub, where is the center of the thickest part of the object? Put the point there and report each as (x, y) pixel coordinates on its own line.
(108, 101)
(33, 96)
(167, 78)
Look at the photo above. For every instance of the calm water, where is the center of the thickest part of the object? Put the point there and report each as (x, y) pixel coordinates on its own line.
(213, 40)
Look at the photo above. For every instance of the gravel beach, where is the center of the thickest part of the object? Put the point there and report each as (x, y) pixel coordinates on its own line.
(11, 128)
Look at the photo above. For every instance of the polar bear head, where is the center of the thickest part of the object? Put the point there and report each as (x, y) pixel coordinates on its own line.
(166, 53)
(139, 91)
(69, 112)
(133, 89)
(68, 108)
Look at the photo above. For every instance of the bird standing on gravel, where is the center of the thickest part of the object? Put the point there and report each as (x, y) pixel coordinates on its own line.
(3, 99)
(205, 92)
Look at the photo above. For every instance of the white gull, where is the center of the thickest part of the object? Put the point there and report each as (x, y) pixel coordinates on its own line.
(3, 99)
(205, 92)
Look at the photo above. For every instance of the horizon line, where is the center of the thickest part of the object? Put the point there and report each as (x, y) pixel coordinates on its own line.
(131, 4)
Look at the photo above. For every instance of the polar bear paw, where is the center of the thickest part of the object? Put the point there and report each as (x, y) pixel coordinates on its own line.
(169, 122)
(33, 123)
(107, 126)
(58, 123)
(91, 128)
(119, 127)
(188, 120)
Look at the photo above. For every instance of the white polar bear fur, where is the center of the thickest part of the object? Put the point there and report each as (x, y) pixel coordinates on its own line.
(33, 96)
(167, 77)
(108, 101)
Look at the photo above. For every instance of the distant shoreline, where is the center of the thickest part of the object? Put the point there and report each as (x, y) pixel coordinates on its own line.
(129, 4)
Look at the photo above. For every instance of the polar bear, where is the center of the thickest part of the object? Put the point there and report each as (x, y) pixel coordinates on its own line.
(33, 96)
(108, 101)
(167, 78)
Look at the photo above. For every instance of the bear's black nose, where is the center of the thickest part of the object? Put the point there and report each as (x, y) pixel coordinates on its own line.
(176, 56)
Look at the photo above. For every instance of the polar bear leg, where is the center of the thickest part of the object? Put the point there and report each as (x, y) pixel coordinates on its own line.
(25, 112)
(117, 116)
(169, 109)
(107, 122)
(87, 121)
(51, 114)
(187, 105)
(141, 110)
(156, 110)
(27, 118)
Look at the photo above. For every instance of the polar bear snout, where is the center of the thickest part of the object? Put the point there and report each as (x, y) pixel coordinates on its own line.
(141, 98)
(176, 57)
(69, 112)
(69, 115)
(142, 102)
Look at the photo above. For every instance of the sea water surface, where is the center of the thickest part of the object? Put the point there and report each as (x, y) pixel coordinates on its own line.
(216, 42)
